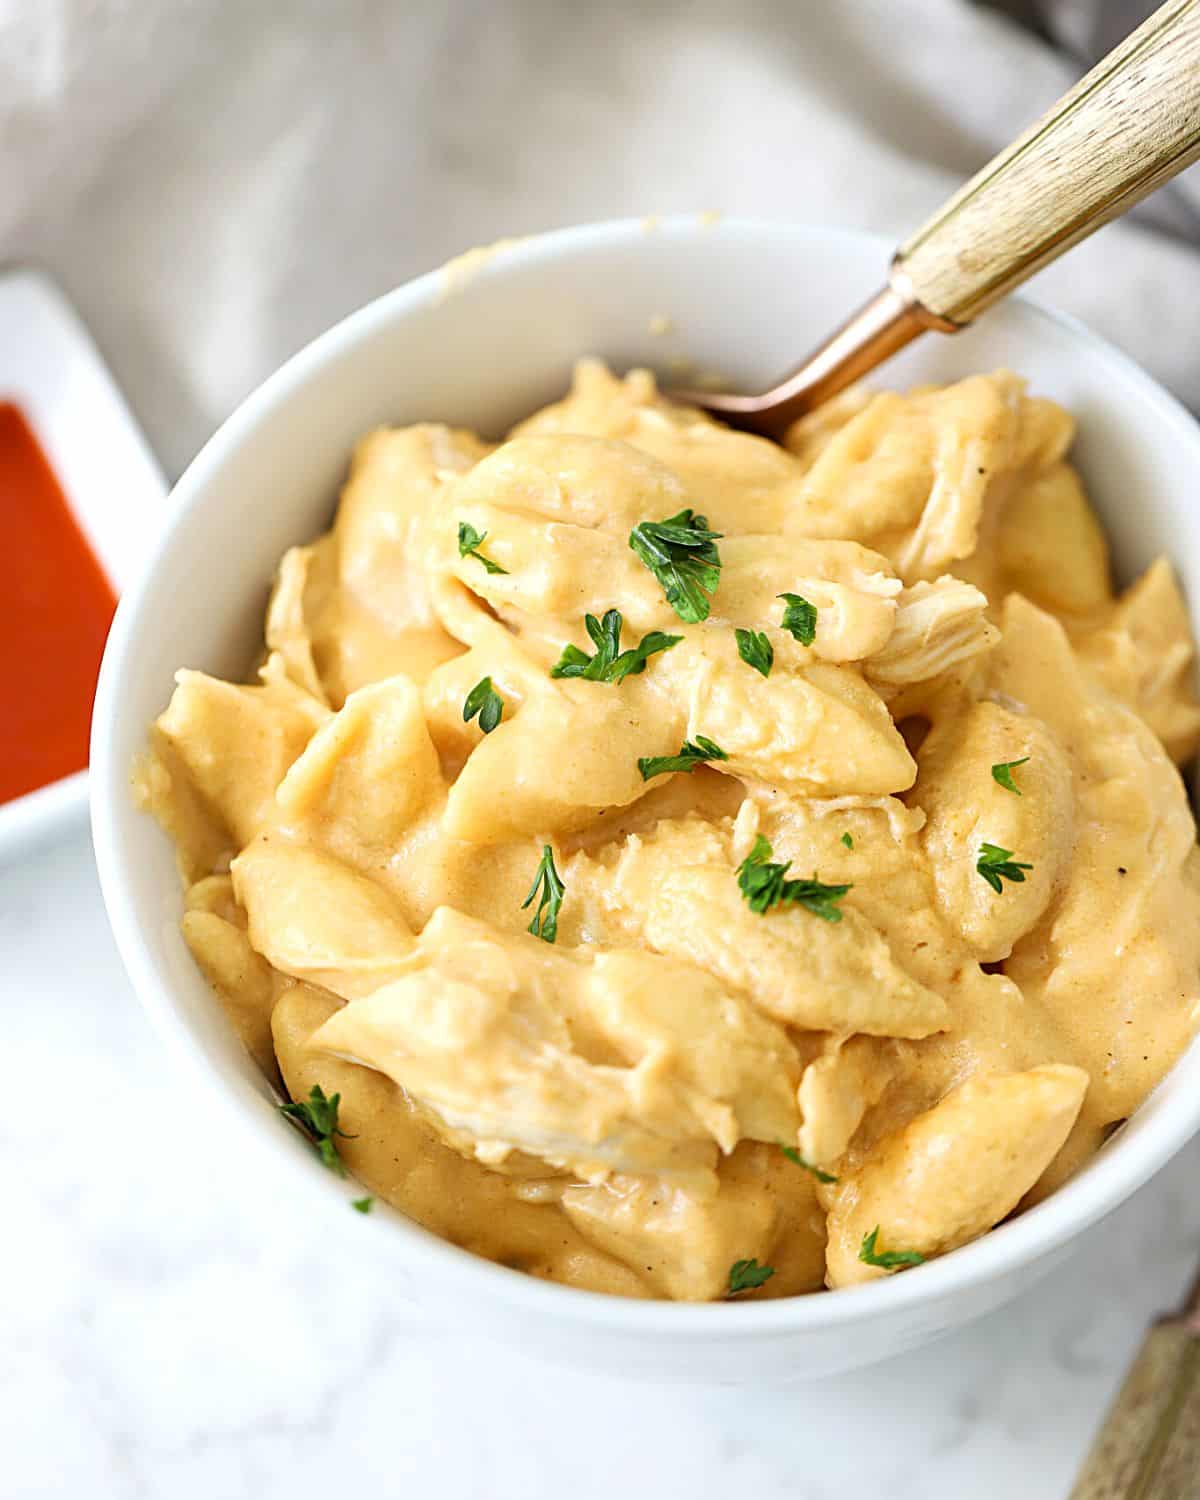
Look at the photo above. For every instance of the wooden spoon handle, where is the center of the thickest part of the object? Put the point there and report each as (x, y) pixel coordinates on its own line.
(1149, 1446)
(1129, 125)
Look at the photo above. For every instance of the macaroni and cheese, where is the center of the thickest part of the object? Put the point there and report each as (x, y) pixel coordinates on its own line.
(682, 865)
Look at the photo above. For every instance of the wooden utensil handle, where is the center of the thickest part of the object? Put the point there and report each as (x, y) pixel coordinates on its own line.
(1149, 1446)
(1129, 125)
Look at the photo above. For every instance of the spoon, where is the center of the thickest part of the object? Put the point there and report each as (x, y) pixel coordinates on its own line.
(1126, 128)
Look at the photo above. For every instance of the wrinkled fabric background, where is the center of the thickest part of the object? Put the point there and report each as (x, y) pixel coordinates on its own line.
(216, 181)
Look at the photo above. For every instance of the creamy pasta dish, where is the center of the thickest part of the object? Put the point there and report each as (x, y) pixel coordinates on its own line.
(681, 865)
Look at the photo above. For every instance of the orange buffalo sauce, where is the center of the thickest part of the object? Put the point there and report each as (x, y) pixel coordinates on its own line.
(55, 609)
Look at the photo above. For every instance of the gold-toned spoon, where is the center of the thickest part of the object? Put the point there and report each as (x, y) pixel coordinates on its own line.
(1126, 128)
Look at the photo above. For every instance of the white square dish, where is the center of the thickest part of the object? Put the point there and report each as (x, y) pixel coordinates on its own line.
(52, 371)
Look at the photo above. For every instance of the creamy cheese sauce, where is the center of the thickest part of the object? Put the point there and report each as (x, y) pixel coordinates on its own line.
(991, 970)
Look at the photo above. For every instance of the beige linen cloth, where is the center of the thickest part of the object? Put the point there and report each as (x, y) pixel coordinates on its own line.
(215, 181)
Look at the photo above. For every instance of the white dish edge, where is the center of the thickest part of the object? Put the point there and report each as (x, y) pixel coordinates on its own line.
(52, 370)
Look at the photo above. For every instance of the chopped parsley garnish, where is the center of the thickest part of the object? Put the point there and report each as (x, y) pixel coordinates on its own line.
(848, 840)
(745, 1275)
(1002, 774)
(888, 1259)
(549, 889)
(484, 700)
(692, 753)
(681, 552)
(469, 543)
(764, 885)
(362, 1205)
(799, 617)
(610, 663)
(317, 1116)
(756, 650)
(997, 865)
(793, 1155)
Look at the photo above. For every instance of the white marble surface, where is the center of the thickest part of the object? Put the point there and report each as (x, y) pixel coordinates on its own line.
(169, 1327)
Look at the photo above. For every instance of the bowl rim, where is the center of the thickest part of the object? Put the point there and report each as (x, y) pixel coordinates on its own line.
(1113, 1175)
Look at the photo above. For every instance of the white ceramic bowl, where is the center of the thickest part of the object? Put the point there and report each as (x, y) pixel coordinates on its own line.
(480, 347)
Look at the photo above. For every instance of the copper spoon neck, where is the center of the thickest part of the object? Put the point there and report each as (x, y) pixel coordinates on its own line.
(881, 327)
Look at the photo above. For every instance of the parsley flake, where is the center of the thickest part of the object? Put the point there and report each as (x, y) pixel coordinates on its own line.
(682, 554)
(317, 1118)
(549, 889)
(888, 1259)
(756, 650)
(848, 840)
(1002, 774)
(484, 700)
(362, 1205)
(610, 663)
(764, 885)
(692, 753)
(469, 543)
(799, 617)
(793, 1155)
(997, 865)
(745, 1275)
